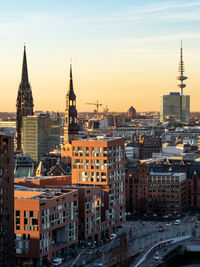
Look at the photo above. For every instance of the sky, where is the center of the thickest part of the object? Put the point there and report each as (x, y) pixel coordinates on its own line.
(124, 52)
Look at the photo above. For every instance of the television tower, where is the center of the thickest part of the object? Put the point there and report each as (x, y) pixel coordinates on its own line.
(181, 78)
(181, 70)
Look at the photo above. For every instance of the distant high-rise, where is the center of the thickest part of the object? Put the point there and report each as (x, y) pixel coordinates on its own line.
(6, 202)
(173, 104)
(176, 104)
(41, 135)
(24, 101)
(71, 123)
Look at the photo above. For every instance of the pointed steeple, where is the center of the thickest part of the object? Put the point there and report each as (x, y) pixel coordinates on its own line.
(71, 88)
(24, 101)
(24, 79)
(71, 127)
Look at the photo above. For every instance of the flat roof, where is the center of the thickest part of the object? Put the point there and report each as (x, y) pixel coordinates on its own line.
(167, 173)
(23, 192)
(99, 138)
(26, 194)
(33, 178)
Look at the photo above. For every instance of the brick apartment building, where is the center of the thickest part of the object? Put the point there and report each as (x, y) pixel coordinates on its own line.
(46, 224)
(90, 216)
(101, 161)
(6, 202)
(166, 193)
(136, 188)
(155, 192)
(98, 178)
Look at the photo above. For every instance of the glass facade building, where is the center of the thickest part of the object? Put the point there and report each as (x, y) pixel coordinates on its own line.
(170, 106)
(41, 134)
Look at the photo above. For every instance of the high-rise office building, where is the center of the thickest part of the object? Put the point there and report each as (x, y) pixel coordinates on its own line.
(6, 201)
(176, 104)
(24, 101)
(39, 135)
(171, 107)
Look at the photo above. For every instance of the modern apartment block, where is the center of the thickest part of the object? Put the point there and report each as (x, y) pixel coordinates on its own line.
(39, 135)
(46, 224)
(90, 216)
(101, 161)
(6, 201)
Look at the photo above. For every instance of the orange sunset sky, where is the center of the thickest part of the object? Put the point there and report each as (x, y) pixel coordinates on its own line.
(123, 52)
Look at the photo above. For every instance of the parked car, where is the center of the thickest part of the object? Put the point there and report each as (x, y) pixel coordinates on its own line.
(113, 236)
(89, 252)
(98, 252)
(57, 261)
(157, 256)
(168, 224)
(83, 263)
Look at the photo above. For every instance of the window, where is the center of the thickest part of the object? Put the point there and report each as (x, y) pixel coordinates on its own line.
(17, 213)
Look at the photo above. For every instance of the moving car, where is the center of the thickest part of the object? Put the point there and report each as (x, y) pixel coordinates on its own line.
(157, 256)
(177, 222)
(57, 261)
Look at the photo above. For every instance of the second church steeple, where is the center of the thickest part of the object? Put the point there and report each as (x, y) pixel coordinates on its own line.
(70, 127)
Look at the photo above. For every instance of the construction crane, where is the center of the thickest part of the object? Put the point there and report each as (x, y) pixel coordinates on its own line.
(97, 107)
(106, 111)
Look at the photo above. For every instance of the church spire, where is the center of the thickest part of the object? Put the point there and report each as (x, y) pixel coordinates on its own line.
(71, 88)
(24, 101)
(71, 127)
(24, 79)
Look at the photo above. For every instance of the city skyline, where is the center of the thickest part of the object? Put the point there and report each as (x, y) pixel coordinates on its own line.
(112, 46)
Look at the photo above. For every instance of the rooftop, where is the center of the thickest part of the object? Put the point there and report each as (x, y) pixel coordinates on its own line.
(99, 138)
(22, 192)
